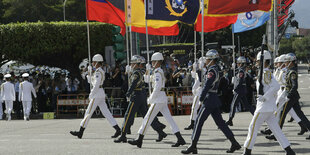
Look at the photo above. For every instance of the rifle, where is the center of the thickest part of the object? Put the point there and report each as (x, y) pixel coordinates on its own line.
(261, 70)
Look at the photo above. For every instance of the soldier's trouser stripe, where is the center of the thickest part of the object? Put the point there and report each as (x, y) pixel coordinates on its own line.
(197, 123)
(128, 116)
(283, 111)
(148, 119)
(91, 106)
(195, 102)
(253, 130)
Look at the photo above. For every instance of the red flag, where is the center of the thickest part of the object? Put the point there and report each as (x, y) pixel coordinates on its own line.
(163, 31)
(104, 11)
(214, 23)
(232, 7)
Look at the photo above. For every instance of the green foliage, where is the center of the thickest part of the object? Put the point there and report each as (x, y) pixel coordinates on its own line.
(42, 10)
(56, 44)
(302, 47)
(286, 46)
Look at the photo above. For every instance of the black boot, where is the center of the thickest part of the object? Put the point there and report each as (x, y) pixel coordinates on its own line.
(180, 141)
(271, 137)
(161, 125)
(230, 122)
(161, 135)
(303, 129)
(191, 149)
(234, 145)
(121, 139)
(191, 126)
(79, 134)
(247, 152)
(117, 132)
(266, 131)
(289, 151)
(137, 142)
(308, 137)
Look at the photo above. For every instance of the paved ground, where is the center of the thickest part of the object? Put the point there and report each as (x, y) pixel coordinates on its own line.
(52, 136)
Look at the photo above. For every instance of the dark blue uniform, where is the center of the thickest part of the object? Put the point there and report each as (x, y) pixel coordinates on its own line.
(240, 94)
(293, 96)
(138, 102)
(211, 105)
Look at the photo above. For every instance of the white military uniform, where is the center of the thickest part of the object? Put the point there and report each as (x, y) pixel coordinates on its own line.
(25, 90)
(97, 98)
(196, 89)
(265, 112)
(8, 96)
(159, 103)
(281, 95)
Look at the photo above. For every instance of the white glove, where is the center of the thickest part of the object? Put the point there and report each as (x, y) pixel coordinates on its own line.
(233, 65)
(195, 66)
(200, 103)
(234, 92)
(128, 69)
(127, 99)
(89, 69)
(148, 67)
(193, 74)
(233, 80)
(260, 98)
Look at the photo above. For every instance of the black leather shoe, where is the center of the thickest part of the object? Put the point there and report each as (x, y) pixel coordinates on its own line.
(190, 149)
(76, 133)
(121, 139)
(116, 134)
(308, 137)
(289, 151)
(247, 152)
(128, 132)
(178, 143)
(233, 148)
(230, 123)
(137, 142)
(266, 132)
(271, 137)
(161, 137)
(303, 129)
(190, 127)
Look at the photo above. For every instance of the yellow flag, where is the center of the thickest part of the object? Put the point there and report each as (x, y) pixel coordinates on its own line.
(136, 16)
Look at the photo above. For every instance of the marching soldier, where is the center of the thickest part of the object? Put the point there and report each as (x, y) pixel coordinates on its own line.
(281, 99)
(239, 91)
(8, 95)
(211, 105)
(266, 106)
(196, 89)
(97, 98)
(292, 93)
(25, 90)
(158, 101)
(137, 97)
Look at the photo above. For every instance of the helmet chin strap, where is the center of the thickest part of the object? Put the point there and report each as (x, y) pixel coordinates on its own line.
(209, 63)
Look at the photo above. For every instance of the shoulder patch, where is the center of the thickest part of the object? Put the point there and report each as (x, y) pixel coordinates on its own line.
(293, 76)
(241, 74)
(210, 75)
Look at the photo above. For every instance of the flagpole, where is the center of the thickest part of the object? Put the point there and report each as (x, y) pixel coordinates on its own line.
(195, 46)
(275, 29)
(202, 27)
(88, 43)
(147, 46)
(131, 44)
(233, 44)
(127, 45)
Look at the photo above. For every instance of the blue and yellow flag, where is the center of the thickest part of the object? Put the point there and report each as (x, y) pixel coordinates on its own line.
(173, 10)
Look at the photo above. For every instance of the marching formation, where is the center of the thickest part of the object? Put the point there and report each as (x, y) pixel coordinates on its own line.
(277, 95)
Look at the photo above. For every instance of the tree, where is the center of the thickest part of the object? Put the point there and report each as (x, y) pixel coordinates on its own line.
(56, 44)
(302, 47)
(286, 46)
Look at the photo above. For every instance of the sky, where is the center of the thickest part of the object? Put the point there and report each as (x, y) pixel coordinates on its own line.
(302, 15)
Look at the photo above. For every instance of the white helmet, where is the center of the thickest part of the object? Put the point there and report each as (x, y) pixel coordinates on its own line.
(135, 59)
(290, 57)
(267, 55)
(157, 57)
(241, 60)
(282, 58)
(7, 75)
(25, 75)
(276, 60)
(98, 58)
(212, 54)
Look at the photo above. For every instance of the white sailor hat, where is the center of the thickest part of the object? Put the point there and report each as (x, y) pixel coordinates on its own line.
(25, 75)
(7, 75)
